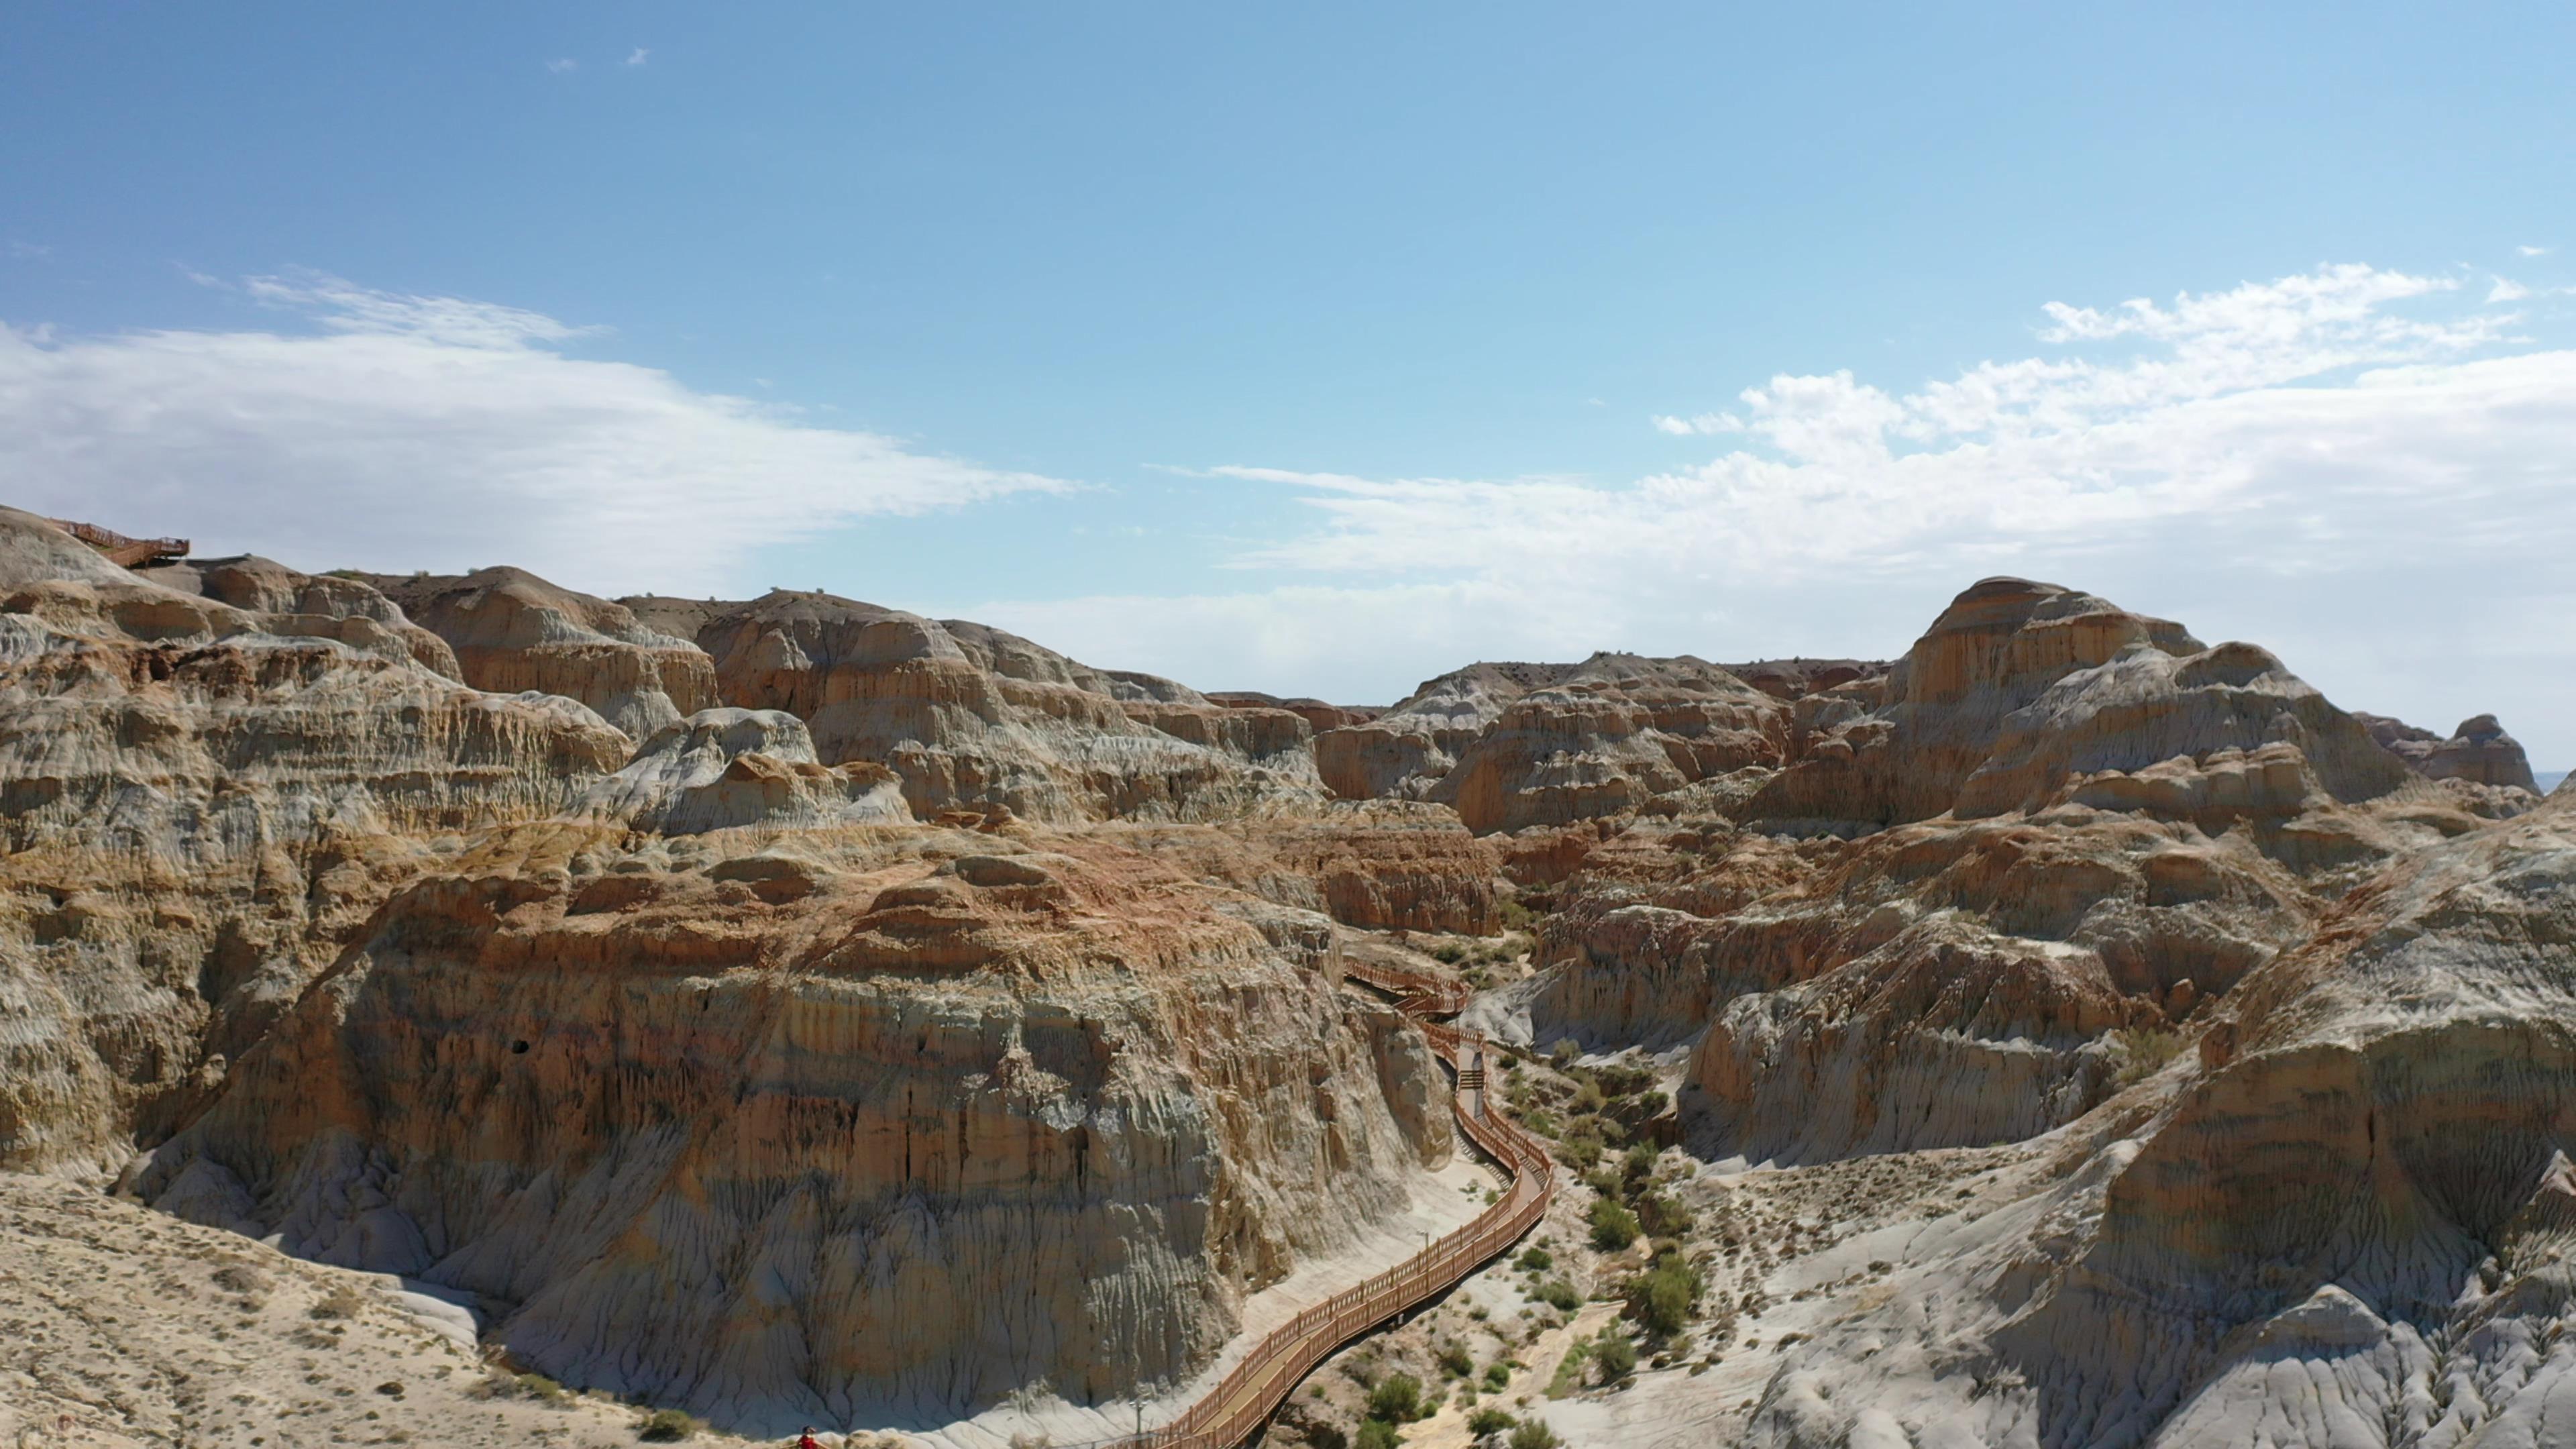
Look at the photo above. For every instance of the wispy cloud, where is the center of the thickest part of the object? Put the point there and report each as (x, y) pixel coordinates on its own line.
(384, 430)
(2532, 251)
(637, 55)
(2327, 462)
(1705, 424)
(564, 66)
(2507, 290)
(29, 251)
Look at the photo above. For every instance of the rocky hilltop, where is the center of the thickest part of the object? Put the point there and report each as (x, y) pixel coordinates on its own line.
(2066, 1033)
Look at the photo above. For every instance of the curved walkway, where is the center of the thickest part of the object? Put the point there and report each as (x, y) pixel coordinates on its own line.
(1243, 1400)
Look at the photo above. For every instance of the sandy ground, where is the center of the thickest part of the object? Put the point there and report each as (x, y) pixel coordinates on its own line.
(119, 1326)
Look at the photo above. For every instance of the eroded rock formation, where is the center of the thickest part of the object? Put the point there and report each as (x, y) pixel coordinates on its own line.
(709, 1124)
(514, 631)
(796, 1008)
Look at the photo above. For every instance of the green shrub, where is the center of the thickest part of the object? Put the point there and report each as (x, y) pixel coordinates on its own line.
(1661, 1298)
(1534, 1435)
(1537, 1260)
(1662, 1216)
(2144, 1050)
(1488, 1421)
(1560, 1295)
(1498, 1376)
(667, 1426)
(1455, 1360)
(1397, 1399)
(1613, 1226)
(1326, 1436)
(1377, 1434)
(1616, 1355)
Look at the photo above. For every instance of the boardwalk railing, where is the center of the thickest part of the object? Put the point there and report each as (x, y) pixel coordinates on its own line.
(1243, 1401)
(129, 552)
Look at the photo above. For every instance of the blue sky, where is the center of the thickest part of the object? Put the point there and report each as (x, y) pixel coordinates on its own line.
(1323, 349)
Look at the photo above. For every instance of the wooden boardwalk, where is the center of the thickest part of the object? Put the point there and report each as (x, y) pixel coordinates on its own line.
(1244, 1399)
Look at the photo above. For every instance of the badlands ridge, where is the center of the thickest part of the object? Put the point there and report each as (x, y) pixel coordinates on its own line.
(799, 1011)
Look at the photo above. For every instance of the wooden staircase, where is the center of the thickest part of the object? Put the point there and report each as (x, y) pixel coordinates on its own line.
(132, 553)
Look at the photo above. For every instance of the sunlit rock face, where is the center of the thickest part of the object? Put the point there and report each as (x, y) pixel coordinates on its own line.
(1512, 746)
(2054, 826)
(2341, 1215)
(2479, 751)
(513, 631)
(200, 799)
(707, 1126)
(974, 719)
(696, 1059)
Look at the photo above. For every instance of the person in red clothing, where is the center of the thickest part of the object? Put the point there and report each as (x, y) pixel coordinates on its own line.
(806, 1440)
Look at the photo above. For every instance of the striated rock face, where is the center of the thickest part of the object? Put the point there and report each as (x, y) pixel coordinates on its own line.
(701, 1126)
(2479, 751)
(2342, 1218)
(1513, 746)
(695, 1064)
(1383, 865)
(722, 769)
(972, 718)
(1318, 715)
(2102, 826)
(918, 1019)
(513, 631)
(2021, 690)
(198, 798)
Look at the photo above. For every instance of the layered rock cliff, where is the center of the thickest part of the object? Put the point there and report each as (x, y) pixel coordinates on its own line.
(2052, 831)
(513, 631)
(843, 1125)
(974, 719)
(2341, 1216)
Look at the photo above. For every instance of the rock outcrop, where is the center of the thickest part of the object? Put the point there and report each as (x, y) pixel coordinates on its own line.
(723, 769)
(799, 1010)
(198, 799)
(513, 632)
(1512, 746)
(700, 1126)
(2069, 825)
(2479, 751)
(2340, 1217)
(972, 718)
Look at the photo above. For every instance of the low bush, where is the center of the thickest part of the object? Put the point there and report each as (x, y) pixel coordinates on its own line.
(1613, 1226)
(1616, 1356)
(667, 1426)
(1397, 1399)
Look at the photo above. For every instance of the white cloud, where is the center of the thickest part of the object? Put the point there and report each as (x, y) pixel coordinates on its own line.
(401, 432)
(636, 56)
(1705, 424)
(2530, 251)
(562, 67)
(2506, 290)
(2355, 466)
